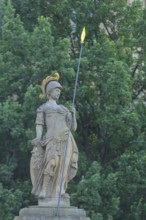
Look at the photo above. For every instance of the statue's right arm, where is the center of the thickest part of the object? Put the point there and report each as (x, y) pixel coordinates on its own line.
(39, 122)
(39, 131)
(39, 125)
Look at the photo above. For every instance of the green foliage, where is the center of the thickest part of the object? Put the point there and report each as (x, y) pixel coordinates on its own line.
(10, 202)
(6, 172)
(38, 38)
(132, 180)
(97, 193)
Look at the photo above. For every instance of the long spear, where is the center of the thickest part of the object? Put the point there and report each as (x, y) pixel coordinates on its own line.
(83, 34)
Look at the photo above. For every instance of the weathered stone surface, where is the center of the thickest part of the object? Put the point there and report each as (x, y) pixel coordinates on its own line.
(50, 213)
(54, 159)
(55, 154)
(53, 202)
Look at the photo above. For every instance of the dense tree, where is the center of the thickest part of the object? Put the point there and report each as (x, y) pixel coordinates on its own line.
(40, 37)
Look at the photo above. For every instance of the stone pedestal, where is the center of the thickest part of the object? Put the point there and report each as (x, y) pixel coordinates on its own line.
(49, 213)
(47, 210)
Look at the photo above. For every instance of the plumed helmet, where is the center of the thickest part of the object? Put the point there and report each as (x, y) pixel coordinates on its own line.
(49, 83)
(52, 85)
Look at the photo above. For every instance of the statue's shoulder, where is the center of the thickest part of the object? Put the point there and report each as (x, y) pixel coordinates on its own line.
(42, 108)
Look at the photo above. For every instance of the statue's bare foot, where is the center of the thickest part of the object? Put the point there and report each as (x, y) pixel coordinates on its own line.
(42, 195)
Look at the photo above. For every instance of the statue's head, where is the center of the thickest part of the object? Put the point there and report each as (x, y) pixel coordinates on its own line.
(49, 84)
(52, 86)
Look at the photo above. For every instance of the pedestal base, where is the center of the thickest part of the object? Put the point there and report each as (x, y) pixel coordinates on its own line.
(50, 213)
(47, 210)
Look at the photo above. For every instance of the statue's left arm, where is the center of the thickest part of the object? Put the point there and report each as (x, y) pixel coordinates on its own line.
(71, 119)
(74, 121)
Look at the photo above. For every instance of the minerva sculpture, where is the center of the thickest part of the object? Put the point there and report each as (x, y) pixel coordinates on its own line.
(54, 124)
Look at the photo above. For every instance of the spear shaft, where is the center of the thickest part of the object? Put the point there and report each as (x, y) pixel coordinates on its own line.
(77, 75)
(71, 118)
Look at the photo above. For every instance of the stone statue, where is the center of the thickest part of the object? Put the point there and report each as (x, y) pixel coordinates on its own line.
(53, 122)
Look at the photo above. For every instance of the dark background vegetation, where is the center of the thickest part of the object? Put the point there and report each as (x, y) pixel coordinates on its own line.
(38, 37)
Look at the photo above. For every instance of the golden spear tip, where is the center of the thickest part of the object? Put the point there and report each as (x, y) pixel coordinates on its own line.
(83, 35)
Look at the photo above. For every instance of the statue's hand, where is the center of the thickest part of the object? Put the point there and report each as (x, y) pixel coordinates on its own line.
(35, 141)
(73, 110)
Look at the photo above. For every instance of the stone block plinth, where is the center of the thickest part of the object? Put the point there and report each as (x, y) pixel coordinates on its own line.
(50, 213)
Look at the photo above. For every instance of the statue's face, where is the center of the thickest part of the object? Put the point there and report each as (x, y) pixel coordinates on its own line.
(55, 93)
